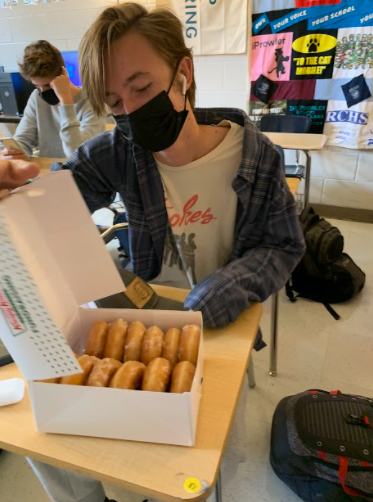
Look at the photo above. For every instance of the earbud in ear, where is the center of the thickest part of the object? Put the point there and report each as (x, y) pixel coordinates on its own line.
(183, 84)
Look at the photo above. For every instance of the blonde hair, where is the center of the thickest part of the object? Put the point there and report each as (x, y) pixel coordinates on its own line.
(160, 27)
(41, 59)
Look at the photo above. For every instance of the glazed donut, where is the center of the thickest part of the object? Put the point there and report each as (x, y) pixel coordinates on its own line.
(132, 347)
(157, 375)
(116, 336)
(182, 377)
(86, 362)
(171, 343)
(129, 376)
(189, 344)
(51, 380)
(102, 372)
(96, 339)
(151, 346)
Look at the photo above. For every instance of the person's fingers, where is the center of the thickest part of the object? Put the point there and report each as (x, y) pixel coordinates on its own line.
(12, 151)
(21, 156)
(65, 72)
(16, 173)
(25, 170)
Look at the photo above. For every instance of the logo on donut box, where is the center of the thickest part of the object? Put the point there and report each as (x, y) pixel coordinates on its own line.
(15, 312)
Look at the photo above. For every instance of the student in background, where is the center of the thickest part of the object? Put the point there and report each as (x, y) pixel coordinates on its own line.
(58, 117)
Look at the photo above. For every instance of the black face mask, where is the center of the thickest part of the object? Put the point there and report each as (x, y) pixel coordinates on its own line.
(49, 97)
(156, 125)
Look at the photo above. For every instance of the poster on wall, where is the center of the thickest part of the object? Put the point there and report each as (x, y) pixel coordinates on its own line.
(212, 27)
(315, 58)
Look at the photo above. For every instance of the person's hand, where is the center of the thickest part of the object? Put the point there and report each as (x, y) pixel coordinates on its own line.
(12, 154)
(61, 86)
(14, 173)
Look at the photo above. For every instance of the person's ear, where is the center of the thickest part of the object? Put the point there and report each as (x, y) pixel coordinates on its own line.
(186, 71)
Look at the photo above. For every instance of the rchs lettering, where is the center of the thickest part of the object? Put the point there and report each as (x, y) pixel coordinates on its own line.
(352, 117)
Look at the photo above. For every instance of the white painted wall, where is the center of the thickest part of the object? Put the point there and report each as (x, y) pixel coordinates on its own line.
(339, 177)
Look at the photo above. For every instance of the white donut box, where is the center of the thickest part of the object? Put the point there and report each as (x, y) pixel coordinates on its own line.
(53, 261)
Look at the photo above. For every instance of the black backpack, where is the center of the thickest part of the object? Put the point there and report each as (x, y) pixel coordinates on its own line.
(325, 274)
(322, 446)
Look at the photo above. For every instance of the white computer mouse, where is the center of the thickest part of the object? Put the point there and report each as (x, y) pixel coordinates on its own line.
(11, 391)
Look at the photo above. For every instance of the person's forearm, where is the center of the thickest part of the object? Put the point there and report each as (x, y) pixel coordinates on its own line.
(258, 274)
(70, 132)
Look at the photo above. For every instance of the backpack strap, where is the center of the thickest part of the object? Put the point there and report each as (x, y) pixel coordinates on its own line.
(342, 475)
(308, 218)
(331, 311)
(289, 292)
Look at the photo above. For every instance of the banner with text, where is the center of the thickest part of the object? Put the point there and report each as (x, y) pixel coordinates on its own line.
(315, 58)
(212, 26)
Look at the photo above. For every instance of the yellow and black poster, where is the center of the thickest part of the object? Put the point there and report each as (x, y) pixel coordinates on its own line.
(313, 55)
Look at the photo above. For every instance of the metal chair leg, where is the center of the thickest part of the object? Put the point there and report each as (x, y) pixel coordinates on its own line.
(218, 494)
(251, 373)
(274, 335)
(308, 179)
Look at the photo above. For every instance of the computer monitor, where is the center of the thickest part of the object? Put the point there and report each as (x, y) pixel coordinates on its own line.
(72, 66)
(14, 93)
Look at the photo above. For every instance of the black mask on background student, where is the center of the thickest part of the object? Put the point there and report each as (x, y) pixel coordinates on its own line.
(156, 125)
(49, 97)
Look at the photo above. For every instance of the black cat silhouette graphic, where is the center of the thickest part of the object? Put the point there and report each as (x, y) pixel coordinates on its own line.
(313, 45)
(279, 58)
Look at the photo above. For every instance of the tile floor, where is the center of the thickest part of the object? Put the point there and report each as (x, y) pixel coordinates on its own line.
(315, 351)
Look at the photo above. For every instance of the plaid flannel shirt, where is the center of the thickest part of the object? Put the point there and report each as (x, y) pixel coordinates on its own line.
(268, 241)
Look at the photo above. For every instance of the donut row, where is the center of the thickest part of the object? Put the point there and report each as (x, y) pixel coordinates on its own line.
(158, 376)
(134, 342)
(131, 356)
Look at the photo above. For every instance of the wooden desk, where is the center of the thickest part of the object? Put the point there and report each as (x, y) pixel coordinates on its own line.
(44, 163)
(300, 141)
(153, 470)
(297, 141)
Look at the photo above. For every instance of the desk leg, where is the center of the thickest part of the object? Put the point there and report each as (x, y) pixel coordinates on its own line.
(274, 335)
(218, 495)
(308, 179)
(251, 373)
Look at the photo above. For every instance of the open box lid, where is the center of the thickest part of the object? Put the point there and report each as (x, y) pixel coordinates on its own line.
(52, 260)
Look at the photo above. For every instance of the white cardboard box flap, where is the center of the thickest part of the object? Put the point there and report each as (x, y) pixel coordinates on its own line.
(52, 259)
(73, 238)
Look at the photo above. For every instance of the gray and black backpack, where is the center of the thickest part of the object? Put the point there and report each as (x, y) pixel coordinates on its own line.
(322, 446)
(325, 274)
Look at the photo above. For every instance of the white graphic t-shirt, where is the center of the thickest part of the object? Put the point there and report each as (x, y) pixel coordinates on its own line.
(201, 207)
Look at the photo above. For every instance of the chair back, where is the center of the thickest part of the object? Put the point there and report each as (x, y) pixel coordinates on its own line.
(285, 123)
